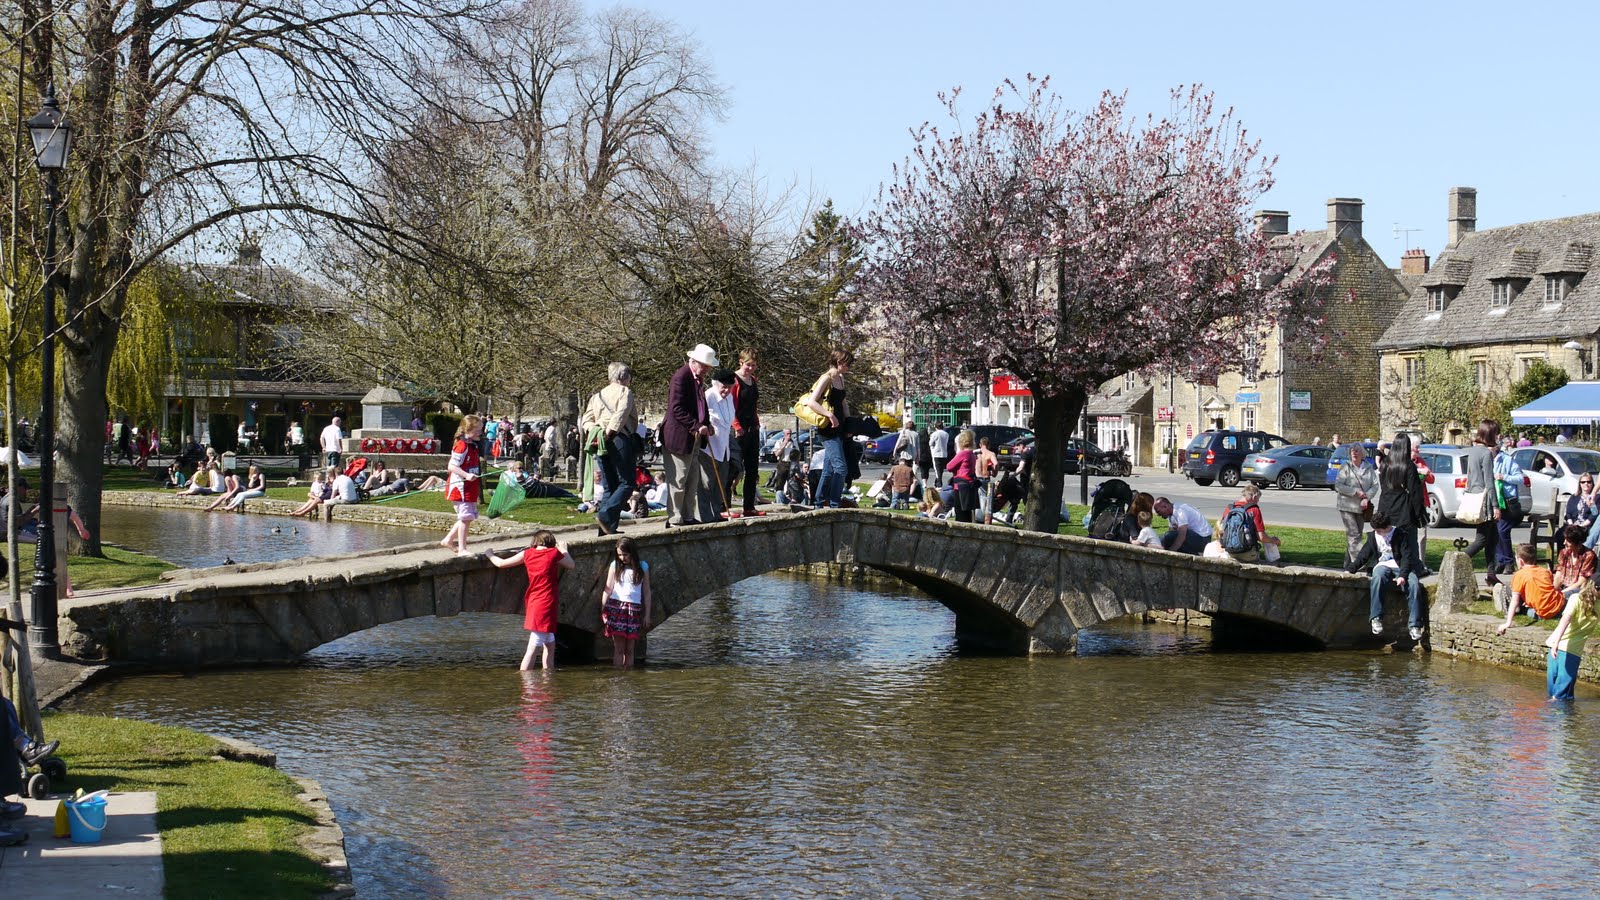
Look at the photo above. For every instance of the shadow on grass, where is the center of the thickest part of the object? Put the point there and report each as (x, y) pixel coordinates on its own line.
(242, 874)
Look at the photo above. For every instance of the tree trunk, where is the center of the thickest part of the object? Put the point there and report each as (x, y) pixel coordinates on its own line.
(1053, 417)
(80, 428)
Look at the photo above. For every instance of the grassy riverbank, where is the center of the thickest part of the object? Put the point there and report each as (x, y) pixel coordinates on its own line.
(119, 568)
(228, 829)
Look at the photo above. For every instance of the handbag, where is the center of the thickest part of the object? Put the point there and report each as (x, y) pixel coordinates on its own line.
(1472, 511)
(803, 411)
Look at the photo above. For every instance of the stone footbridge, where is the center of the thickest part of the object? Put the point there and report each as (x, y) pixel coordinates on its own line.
(1019, 591)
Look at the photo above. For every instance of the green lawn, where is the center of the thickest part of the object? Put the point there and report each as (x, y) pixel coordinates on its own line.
(228, 829)
(119, 568)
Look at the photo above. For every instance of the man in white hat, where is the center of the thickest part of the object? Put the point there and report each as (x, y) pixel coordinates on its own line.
(687, 423)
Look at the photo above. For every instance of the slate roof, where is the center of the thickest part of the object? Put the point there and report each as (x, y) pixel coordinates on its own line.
(1115, 400)
(259, 285)
(1524, 254)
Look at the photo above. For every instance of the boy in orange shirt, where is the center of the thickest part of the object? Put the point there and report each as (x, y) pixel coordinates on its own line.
(1534, 587)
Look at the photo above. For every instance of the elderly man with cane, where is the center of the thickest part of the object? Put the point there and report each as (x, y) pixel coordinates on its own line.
(688, 422)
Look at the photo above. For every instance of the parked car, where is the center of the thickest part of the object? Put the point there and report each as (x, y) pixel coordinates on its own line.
(1288, 467)
(1449, 465)
(1220, 455)
(1567, 464)
(879, 449)
(1010, 455)
(1342, 456)
(802, 440)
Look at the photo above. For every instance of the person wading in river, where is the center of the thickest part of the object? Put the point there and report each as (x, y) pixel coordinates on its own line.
(545, 560)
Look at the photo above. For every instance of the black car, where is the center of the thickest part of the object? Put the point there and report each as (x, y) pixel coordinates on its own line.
(1011, 454)
(1219, 455)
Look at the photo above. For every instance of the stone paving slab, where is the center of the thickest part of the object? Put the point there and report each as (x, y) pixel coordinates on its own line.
(126, 862)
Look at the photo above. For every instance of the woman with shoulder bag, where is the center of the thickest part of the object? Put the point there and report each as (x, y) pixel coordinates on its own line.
(1357, 491)
(1480, 480)
(1507, 496)
(827, 399)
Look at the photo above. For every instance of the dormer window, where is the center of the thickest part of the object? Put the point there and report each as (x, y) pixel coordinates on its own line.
(1556, 288)
(1438, 299)
(1503, 293)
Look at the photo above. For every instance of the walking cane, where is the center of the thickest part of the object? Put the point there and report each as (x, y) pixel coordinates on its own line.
(727, 508)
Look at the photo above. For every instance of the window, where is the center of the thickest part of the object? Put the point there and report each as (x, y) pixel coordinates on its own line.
(1414, 371)
(1248, 417)
(1128, 381)
(1480, 373)
(1252, 363)
(1527, 363)
(1436, 300)
(1502, 293)
(1555, 289)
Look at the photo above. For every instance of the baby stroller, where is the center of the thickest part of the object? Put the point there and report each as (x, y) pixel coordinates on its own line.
(1111, 501)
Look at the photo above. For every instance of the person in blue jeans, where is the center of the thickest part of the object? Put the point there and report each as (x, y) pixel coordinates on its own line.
(828, 399)
(1394, 564)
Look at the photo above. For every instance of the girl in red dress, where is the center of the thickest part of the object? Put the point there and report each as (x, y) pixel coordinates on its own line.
(465, 486)
(545, 559)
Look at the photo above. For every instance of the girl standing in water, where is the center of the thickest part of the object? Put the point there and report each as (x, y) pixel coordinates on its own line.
(625, 602)
(465, 488)
(545, 560)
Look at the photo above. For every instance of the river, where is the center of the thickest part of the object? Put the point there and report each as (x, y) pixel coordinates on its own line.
(797, 738)
(197, 539)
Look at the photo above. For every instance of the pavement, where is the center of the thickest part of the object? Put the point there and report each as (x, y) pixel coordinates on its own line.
(125, 863)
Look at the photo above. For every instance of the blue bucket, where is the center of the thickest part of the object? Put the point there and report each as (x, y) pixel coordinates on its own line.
(87, 820)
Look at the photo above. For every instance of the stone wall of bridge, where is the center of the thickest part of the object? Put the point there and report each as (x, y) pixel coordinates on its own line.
(1020, 591)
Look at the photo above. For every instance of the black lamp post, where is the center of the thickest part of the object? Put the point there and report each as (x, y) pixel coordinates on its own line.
(52, 141)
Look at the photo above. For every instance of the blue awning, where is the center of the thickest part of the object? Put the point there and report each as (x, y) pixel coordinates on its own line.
(1577, 403)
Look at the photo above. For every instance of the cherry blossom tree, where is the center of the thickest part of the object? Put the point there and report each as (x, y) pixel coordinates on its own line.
(1068, 248)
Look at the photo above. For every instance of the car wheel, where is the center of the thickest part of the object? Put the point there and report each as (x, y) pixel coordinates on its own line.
(1435, 511)
(1288, 480)
(1229, 477)
(1203, 482)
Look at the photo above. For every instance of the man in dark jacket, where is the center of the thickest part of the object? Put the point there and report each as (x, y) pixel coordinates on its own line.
(747, 427)
(1393, 563)
(687, 424)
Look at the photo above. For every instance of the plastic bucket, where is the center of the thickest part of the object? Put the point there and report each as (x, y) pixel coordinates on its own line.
(86, 819)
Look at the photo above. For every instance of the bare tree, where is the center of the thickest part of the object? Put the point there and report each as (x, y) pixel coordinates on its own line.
(194, 113)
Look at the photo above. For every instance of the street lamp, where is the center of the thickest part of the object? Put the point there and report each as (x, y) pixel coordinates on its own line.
(52, 142)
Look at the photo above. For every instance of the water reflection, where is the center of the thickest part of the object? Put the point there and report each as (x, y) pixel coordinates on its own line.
(796, 738)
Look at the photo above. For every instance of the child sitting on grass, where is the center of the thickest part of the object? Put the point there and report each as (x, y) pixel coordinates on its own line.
(1533, 587)
(1577, 625)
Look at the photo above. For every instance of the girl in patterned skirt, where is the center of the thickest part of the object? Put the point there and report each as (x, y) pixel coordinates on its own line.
(625, 602)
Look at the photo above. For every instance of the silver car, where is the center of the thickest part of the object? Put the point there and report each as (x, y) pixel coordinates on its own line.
(1449, 465)
(1553, 471)
(1288, 467)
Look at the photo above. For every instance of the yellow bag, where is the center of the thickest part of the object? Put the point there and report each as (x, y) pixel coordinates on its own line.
(804, 412)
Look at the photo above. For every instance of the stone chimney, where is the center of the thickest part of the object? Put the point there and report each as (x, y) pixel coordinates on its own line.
(1344, 218)
(249, 253)
(1271, 222)
(1463, 214)
(1414, 262)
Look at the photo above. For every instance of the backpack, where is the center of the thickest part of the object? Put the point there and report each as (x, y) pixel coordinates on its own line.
(1239, 531)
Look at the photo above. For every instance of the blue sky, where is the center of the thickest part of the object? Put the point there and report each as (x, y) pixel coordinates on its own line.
(1392, 103)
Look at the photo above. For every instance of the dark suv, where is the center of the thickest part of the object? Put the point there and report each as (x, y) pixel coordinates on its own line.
(1217, 455)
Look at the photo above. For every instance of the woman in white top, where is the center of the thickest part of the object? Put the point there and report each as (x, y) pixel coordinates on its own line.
(625, 602)
(254, 486)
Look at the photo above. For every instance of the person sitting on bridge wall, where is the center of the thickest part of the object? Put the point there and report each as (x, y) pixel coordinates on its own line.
(1393, 563)
(1533, 587)
(1189, 530)
(1576, 564)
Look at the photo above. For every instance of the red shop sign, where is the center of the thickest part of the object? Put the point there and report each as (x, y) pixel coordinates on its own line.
(1010, 386)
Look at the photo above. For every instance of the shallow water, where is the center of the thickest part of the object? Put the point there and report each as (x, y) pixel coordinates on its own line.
(795, 738)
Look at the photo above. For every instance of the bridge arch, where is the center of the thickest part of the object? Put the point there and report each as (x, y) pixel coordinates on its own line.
(1022, 591)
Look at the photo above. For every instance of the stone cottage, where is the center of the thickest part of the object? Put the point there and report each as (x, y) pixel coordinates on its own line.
(1497, 300)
